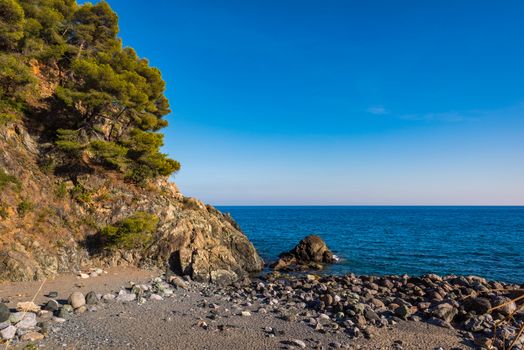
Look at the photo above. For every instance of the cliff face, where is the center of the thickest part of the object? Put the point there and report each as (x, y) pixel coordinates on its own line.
(51, 224)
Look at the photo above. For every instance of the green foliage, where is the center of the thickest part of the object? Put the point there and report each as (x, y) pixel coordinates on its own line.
(61, 190)
(47, 166)
(81, 194)
(6, 179)
(134, 232)
(16, 86)
(110, 154)
(106, 93)
(24, 207)
(11, 23)
(68, 141)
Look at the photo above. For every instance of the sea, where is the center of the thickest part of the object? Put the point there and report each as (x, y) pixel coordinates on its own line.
(383, 240)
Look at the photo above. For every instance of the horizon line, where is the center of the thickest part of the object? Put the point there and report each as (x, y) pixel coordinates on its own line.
(368, 205)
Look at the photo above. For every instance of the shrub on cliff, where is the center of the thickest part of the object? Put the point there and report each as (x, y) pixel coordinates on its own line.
(134, 232)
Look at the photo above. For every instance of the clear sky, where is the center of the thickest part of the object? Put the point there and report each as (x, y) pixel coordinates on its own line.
(340, 102)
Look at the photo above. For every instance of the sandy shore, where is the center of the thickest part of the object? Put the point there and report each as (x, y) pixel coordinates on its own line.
(113, 280)
(193, 318)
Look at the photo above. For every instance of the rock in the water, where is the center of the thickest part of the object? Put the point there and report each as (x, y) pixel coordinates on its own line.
(309, 253)
(91, 298)
(5, 313)
(76, 300)
(8, 333)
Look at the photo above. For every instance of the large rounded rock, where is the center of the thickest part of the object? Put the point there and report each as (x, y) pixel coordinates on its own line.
(76, 300)
(313, 249)
(5, 313)
(310, 253)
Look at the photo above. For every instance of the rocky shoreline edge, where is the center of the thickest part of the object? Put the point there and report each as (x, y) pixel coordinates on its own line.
(488, 314)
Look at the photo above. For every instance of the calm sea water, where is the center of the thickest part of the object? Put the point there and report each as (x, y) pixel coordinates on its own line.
(484, 241)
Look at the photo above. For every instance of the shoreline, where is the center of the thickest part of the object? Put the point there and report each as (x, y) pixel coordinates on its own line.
(392, 312)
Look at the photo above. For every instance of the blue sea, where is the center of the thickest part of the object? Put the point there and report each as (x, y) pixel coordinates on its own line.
(483, 241)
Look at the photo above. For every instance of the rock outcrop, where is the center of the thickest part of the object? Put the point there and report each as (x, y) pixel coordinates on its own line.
(310, 253)
(49, 223)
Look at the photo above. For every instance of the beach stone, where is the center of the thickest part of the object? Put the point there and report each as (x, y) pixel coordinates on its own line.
(91, 298)
(52, 305)
(76, 300)
(245, 313)
(156, 297)
(81, 309)
(108, 297)
(370, 315)
(507, 309)
(4, 324)
(403, 311)
(27, 322)
(8, 333)
(58, 319)
(445, 312)
(178, 282)
(27, 306)
(52, 295)
(5, 313)
(32, 336)
(478, 305)
(124, 296)
(297, 342)
(16, 317)
(65, 311)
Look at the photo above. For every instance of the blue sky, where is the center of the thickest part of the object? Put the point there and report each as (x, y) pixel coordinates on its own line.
(340, 102)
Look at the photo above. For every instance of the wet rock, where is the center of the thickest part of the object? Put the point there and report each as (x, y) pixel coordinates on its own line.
(310, 252)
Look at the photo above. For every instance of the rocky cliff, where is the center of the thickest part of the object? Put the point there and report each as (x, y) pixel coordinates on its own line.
(51, 224)
(82, 176)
